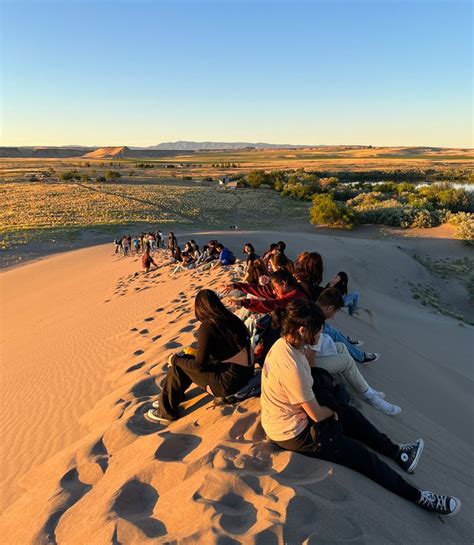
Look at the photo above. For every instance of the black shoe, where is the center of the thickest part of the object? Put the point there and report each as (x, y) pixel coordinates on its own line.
(436, 503)
(409, 454)
(355, 342)
(369, 357)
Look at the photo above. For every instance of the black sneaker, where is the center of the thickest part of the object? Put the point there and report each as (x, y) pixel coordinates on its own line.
(355, 342)
(436, 503)
(409, 454)
(370, 356)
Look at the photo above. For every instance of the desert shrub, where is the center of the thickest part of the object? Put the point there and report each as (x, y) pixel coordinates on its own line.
(445, 196)
(112, 175)
(101, 179)
(326, 211)
(70, 175)
(258, 177)
(300, 190)
(464, 223)
(423, 219)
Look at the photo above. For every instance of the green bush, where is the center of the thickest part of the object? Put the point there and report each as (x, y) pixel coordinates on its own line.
(464, 223)
(326, 211)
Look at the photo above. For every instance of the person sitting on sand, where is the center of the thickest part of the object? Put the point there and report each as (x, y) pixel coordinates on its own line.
(309, 273)
(251, 256)
(335, 358)
(223, 363)
(351, 299)
(226, 257)
(330, 301)
(147, 261)
(279, 261)
(294, 420)
(256, 273)
(282, 289)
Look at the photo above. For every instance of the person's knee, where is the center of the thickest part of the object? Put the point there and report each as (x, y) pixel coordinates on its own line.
(342, 349)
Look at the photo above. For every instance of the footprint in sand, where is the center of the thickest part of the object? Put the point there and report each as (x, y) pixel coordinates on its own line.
(144, 332)
(72, 490)
(145, 388)
(155, 338)
(135, 503)
(134, 329)
(138, 352)
(176, 446)
(172, 344)
(150, 319)
(161, 309)
(135, 367)
(186, 329)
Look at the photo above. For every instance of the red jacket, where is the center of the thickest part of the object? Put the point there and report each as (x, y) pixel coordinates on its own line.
(264, 307)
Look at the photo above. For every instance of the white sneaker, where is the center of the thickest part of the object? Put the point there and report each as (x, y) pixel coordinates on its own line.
(381, 405)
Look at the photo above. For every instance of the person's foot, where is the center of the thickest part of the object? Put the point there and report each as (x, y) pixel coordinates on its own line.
(154, 415)
(370, 357)
(381, 405)
(439, 504)
(409, 455)
(355, 342)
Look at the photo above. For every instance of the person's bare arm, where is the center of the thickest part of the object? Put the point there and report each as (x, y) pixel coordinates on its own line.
(310, 356)
(317, 413)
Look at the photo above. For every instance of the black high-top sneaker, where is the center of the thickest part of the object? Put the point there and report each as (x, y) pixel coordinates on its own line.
(409, 454)
(436, 503)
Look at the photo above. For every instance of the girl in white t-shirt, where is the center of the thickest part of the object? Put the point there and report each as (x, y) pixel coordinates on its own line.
(293, 419)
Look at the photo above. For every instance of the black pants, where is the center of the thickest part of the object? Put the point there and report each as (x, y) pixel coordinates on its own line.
(343, 442)
(222, 378)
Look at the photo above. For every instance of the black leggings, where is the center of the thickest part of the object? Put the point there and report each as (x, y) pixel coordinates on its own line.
(343, 442)
(222, 378)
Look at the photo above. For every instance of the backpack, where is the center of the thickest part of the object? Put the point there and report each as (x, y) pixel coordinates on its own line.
(251, 389)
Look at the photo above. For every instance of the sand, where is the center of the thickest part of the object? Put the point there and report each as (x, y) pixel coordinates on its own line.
(84, 346)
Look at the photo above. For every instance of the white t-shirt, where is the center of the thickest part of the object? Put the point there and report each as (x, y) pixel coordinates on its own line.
(325, 346)
(286, 383)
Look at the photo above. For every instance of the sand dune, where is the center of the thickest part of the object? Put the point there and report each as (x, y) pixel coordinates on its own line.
(85, 343)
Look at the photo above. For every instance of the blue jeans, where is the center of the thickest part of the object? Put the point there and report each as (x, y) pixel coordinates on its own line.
(351, 301)
(338, 337)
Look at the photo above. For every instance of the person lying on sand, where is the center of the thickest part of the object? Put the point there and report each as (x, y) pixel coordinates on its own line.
(351, 299)
(223, 363)
(147, 261)
(334, 431)
(330, 301)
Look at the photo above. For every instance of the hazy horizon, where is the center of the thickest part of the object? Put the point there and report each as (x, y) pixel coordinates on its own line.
(390, 73)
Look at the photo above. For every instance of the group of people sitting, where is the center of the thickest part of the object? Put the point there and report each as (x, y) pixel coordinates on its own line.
(303, 408)
(191, 256)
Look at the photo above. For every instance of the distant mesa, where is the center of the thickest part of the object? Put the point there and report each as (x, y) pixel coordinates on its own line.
(109, 153)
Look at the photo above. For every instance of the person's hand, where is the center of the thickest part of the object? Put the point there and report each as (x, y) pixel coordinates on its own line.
(336, 417)
(235, 303)
(334, 280)
(225, 288)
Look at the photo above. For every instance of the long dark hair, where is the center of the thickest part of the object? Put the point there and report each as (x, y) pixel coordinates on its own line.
(283, 275)
(209, 309)
(298, 313)
(342, 284)
(256, 270)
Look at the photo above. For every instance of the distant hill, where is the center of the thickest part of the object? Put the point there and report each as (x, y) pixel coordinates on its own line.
(184, 145)
(124, 152)
(43, 152)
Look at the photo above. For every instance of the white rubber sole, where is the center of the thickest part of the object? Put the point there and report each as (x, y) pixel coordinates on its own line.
(421, 446)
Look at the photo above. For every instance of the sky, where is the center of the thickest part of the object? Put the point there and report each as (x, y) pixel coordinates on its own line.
(137, 73)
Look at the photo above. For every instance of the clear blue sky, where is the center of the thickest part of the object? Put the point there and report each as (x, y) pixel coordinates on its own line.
(143, 72)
